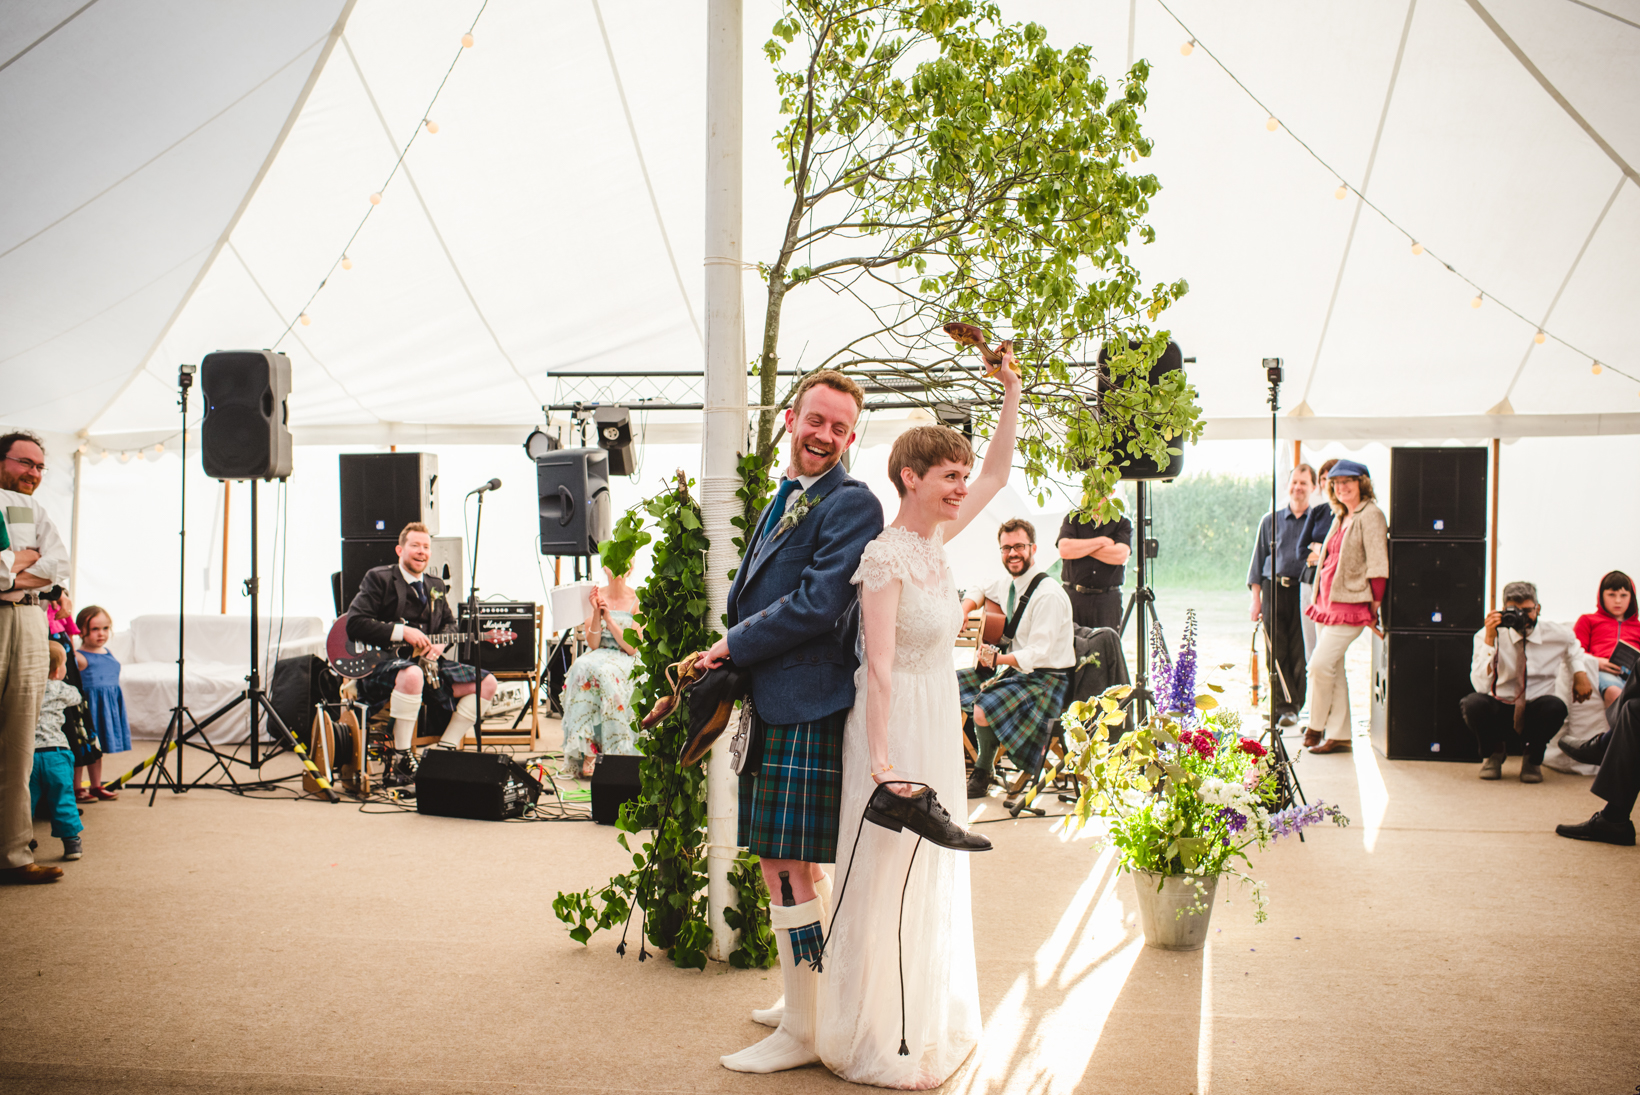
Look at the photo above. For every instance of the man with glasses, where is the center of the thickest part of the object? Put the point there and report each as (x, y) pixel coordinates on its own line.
(1018, 688)
(33, 560)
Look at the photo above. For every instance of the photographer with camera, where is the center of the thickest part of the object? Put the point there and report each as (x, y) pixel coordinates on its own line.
(1516, 659)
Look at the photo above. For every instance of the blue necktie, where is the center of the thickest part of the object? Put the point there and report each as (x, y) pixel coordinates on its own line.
(778, 510)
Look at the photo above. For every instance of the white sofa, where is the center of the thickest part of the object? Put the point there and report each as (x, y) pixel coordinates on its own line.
(217, 661)
(1583, 720)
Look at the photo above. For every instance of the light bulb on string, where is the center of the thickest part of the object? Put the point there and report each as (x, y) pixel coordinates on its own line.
(159, 448)
(347, 263)
(83, 449)
(1540, 338)
(1476, 303)
(1271, 124)
(1342, 192)
(1186, 49)
(466, 41)
(1596, 369)
(375, 199)
(1417, 248)
(125, 458)
(153, 453)
(432, 126)
(307, 320)
(96, 457)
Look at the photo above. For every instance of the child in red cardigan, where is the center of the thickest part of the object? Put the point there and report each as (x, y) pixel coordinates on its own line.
(1599, 631)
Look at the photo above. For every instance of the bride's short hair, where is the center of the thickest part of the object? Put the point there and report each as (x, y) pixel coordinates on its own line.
(924, 447)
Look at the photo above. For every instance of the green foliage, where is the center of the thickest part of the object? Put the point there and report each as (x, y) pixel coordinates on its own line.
(750, 916)
(755, 490)
(947, 166)
(1205, 526)
(672, 801)
(624, 541)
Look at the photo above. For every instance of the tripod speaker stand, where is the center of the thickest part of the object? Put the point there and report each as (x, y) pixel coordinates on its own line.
(1291, 790)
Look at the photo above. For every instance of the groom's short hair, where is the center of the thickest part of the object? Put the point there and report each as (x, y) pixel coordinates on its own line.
(924, 447)
(833, 379)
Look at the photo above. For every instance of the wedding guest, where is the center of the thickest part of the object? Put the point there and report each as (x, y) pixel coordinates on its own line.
(1317, 523)
(598, 689)
(1599, 632)
(100, 684)
(1274, 576)
(51, 784)
(1349, 591)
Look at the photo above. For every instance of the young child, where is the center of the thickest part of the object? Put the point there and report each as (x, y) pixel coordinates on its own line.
(105, 703)
(52, 781)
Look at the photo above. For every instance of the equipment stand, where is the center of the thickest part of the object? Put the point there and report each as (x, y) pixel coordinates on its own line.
(1291, 789)
(473, 622)
(1142, 596)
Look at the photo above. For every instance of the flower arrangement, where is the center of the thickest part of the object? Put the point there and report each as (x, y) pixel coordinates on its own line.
(1184, 794)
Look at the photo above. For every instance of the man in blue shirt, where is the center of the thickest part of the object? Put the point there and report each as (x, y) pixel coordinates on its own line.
(1275, 595)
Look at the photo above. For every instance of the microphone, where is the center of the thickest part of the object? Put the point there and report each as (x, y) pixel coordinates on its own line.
(494, 484)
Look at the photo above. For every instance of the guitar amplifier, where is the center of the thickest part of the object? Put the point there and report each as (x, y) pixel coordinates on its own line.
(518, 617)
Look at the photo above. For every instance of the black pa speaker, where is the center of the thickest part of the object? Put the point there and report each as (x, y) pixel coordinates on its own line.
(1418, 680)
(1134, 466)
(1437, 494)
(299, 685)
(359, 556)
(573, 485)
(246, 430)
(1436, 585)
(381, 492)
(481, 786)
(614, 780)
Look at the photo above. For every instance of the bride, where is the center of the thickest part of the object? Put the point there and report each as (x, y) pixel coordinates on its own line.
(904, 727)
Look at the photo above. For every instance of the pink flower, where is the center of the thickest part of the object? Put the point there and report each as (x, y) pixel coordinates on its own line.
(1249, 745)
(1201, 741)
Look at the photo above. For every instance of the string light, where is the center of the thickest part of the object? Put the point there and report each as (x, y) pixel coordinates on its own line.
(1417, 248)
(84, 447)
(1188, 48)
(1476, 303)
(125, 458)
(432, 126)
(1342, 192)
(1272, 125)
(159, 448)
(347, 263)
(306, 319)
(1540, 338)
(1596, 369)
(375, 199)
(466, 41)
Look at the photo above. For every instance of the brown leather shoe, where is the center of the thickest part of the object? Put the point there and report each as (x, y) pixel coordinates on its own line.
(1333, 745)
(1312, 738)
(30, 874)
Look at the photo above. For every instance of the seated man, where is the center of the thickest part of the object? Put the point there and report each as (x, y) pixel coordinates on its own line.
(1017, 705)
(1514, 683)
(402, 603)
(1618, 780)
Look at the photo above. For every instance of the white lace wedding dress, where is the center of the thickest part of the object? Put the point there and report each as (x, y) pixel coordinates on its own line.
(859, 1028)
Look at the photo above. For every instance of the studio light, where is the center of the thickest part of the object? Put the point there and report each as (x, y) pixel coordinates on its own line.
(614, 426)
(956, 416)
(540, 442)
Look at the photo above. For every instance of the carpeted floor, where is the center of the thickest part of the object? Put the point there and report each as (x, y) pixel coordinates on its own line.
(1447, 941)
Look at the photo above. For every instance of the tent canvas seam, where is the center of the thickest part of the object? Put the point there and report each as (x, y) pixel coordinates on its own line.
(73, 15)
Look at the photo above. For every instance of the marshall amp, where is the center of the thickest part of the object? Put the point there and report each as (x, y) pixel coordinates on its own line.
(518, 617)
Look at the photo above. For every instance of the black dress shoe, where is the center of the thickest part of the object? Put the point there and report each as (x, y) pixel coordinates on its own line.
(1592, 751)
(922, 813)
(1599, 828)
(1287, 720)
(978, 784)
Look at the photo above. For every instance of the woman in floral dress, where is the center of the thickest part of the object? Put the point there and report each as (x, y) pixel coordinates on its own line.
(598, 689)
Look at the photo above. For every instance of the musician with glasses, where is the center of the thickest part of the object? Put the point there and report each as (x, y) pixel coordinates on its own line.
(402, 603)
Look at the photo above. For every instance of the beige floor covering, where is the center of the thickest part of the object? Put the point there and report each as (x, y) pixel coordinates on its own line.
(1448, 941)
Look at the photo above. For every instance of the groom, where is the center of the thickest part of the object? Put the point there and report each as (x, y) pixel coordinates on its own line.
(793, 621)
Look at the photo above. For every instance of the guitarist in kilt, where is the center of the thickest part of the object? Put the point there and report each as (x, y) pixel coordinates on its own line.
(403, 604)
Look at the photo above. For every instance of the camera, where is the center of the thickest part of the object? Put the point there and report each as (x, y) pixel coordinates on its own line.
(1516, 619)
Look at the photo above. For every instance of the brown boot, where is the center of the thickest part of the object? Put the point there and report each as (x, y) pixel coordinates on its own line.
(30, 874)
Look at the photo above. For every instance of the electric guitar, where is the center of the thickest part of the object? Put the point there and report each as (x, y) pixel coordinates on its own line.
(354, 659)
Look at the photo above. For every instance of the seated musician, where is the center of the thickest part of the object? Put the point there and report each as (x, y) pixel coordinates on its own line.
(402, 603)
(1018, 688)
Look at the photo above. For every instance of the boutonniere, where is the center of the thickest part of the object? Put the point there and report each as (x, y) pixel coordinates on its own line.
(799, 510)
(435, 596)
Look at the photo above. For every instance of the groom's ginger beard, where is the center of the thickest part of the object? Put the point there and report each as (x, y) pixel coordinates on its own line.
(821, 429)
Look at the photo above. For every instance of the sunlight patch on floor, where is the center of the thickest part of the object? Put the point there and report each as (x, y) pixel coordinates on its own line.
(1204, 1040)
(1052, 953)
(1374, 795)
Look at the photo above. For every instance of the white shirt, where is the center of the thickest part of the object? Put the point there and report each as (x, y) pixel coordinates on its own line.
(1547, 647)
(29, 527)
(427, 590)
(1045, 639)
(804, 482)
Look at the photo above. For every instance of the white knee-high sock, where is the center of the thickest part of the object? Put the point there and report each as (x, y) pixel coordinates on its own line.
(792, 1044)
(770, 1016)
(404, 707)
(461, 721)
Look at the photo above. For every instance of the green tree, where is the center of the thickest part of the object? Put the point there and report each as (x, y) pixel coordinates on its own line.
(947, 166)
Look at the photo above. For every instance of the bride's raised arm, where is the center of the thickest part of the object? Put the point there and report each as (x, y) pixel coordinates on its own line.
(879, 609)
(999, 454)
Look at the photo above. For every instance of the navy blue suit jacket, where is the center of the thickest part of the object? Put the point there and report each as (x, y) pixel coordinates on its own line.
(793, 614)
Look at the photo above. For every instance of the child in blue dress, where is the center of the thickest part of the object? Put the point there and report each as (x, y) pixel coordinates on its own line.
(104, 702)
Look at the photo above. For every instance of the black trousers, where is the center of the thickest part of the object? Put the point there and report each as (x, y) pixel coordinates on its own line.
(1096, 609)
(1492, 721)
(1618, 780)
(1286, 646)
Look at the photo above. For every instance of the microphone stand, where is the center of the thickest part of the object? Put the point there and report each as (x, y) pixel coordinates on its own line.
(472, 621)
(1291, 789)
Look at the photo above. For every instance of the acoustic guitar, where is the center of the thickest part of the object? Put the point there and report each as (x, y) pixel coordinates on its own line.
(354, 659)
(990, 632)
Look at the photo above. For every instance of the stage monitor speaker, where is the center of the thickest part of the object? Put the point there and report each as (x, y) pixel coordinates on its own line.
(573, 485)
(1134, 466)
(1436, 585)
(518, 617)
(614, 780)
(381, 492)
(1437, 493)
(614, 426)
(246, 430)
(299, 685)
(1418, 680)
(359, 556)
(480, 786)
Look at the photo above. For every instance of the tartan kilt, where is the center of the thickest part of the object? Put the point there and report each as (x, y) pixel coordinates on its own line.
(377, 687)
(1019, 706)
(789, 810)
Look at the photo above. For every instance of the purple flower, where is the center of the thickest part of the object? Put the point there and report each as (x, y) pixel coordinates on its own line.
(1161, 670)
(1299, 817)
(1233, 820)
(1181, 696)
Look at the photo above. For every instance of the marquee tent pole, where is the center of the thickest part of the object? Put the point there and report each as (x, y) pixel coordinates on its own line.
(1497, 465)
(723, 419)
